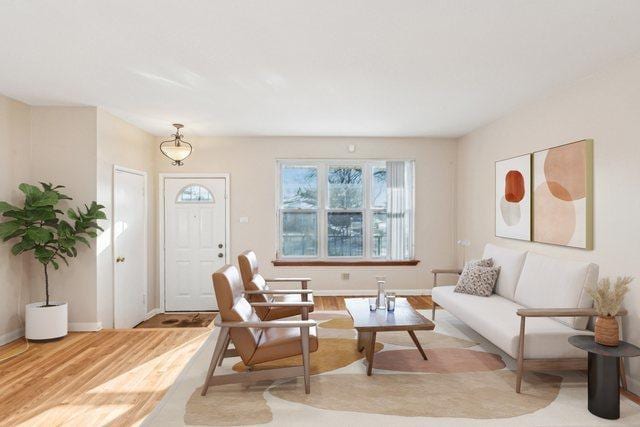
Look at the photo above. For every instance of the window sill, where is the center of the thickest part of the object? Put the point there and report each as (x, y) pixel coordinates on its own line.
(368, 263)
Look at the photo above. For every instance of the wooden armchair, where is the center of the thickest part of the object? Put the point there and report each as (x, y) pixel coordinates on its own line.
(258, 291)
(257, 341)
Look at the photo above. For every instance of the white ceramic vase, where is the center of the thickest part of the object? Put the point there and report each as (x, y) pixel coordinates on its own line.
(45, 323)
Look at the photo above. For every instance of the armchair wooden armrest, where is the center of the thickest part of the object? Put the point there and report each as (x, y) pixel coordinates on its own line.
(304, 281)
(307, 304)
(561, 312)
(280, 292)
(267, 324)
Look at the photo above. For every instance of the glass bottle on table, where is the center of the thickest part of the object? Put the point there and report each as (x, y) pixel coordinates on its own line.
(381, 300)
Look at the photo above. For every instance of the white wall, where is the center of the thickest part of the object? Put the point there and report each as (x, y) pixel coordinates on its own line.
(122, 144)
(252, 165)
(605, 107)
(63, 145)
(15, 166)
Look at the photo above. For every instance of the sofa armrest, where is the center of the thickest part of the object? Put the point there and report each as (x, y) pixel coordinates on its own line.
(561, 312)
(436, 271)
(446, 271)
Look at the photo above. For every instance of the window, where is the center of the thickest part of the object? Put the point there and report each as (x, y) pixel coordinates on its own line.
(333, 209)
(194, 193)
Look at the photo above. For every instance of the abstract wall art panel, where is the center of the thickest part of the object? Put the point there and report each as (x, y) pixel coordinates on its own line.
(513, 198)
(563, 195)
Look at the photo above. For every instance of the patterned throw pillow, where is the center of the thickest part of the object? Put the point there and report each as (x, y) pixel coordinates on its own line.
(478, 278)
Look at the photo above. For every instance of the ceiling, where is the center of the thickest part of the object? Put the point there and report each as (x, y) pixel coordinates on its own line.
(303, 67)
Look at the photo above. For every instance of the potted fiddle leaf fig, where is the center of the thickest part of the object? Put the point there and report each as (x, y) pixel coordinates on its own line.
(42, 229)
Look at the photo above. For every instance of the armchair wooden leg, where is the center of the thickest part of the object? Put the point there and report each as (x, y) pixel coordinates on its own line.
(433, 310)
(520, 356)
(217, 355)
(224, 350)
(305, 359)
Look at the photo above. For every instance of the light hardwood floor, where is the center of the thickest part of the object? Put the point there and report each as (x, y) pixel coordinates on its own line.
(111, 377)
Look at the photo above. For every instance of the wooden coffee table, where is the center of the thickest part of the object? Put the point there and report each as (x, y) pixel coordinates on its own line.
(368, 323)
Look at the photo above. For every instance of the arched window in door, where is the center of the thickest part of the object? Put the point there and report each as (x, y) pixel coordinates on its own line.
(195, 193)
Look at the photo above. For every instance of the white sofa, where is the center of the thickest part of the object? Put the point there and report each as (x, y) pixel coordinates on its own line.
(548, 292)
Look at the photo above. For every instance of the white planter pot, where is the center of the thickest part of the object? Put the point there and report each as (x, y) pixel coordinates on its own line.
(45, 323)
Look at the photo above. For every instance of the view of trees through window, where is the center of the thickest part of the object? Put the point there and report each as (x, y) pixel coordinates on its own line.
(335, 207)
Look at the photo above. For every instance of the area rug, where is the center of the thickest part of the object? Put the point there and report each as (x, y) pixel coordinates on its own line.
(466, 382)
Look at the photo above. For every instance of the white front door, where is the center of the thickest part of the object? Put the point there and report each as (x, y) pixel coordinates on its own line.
(195, 241)
(129, 248)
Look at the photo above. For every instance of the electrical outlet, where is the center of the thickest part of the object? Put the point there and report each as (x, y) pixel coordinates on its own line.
(344, 276)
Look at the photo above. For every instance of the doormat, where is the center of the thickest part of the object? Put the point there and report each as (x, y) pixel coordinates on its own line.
(178, 320)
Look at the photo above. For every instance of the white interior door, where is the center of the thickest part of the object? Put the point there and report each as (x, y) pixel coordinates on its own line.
(130, 248)
(195, 241)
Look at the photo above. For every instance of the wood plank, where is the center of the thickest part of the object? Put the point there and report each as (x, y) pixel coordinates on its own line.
(116, 376)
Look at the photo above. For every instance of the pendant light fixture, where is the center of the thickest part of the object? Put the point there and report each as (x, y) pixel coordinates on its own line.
(176, 149)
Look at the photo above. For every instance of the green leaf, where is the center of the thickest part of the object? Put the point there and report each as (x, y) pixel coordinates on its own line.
(22, 246)
(9, 227)
(39, 235)
(43, 255)
(83, 240)
(33, 193)
(19, 232)
(72, 214)
(55, 264)
(4, 207)
(48, 198)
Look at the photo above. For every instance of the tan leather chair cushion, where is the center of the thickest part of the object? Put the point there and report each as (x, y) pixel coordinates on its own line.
(235, 308)
(282, 312)
(248, 263)
(278, 343)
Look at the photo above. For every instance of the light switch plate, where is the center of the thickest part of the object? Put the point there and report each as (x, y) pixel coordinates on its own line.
(244, 219)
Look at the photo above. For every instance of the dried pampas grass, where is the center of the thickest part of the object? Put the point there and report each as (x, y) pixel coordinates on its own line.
(607, 299)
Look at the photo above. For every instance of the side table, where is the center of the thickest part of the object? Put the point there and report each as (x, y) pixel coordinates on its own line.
(604, 374)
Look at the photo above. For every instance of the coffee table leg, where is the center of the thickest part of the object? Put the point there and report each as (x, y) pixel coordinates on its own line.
(370, 352)
(417, 343)
(363, 340)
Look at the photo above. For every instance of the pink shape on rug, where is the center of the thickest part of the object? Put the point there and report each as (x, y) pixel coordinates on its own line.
(441, 360)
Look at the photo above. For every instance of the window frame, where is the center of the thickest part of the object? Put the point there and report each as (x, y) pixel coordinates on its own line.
(322, 210)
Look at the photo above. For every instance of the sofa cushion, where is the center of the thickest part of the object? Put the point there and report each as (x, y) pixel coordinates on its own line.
(510, 262)
(547, 282)
(495, 319)
(477, 280)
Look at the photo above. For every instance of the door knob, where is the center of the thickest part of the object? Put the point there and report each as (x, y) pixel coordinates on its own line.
(220, 255)
(120, 259)
(220, 245)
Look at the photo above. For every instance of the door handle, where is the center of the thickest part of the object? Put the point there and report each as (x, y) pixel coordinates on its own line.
(120, 259)
(220, 255)
(220, 245)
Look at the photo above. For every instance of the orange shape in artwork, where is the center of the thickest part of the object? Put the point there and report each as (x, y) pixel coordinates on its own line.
(513, 186)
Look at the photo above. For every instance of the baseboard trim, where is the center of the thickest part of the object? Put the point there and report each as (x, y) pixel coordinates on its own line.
(11, 336)
(85, 326)
(368, 292)
(633, 385)
(152, 313)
